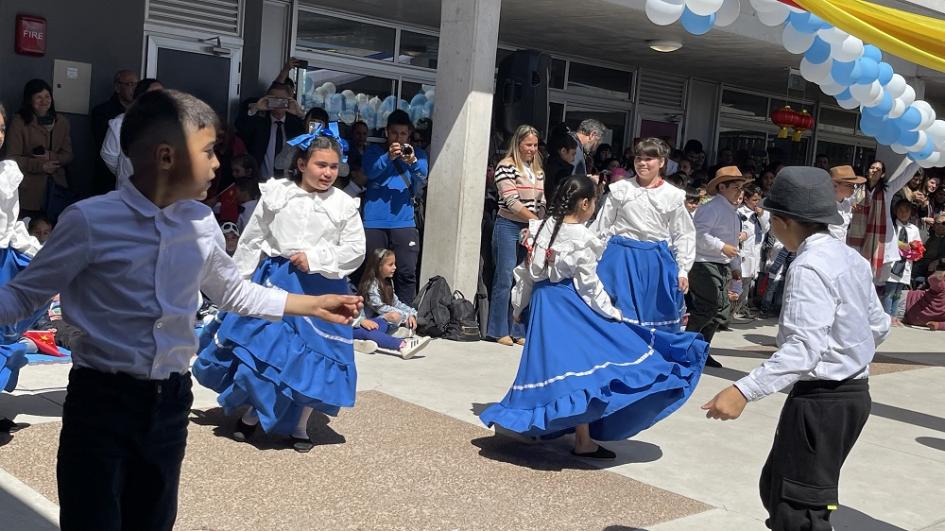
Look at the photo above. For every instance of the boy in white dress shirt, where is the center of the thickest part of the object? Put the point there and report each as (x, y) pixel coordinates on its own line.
(831, 323)
(129, 266)
(718, 235)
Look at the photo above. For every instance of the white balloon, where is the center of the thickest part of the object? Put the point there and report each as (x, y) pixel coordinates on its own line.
(832, 88)
(899, 148)
(935, 159)
(897, 109)
(795, 41)
(920, 143)
(907, 96)
(704, 8)
(330, 87)
(833, 35)
(928, 113)
(815, 73)
(775, 17)
(866, 94)
(896, 85)
(664, 12)
(849, 104)
(936, 133)
(728, 14)
(848, 50)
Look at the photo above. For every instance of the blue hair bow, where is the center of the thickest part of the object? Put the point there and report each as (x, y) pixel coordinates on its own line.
(304, 140)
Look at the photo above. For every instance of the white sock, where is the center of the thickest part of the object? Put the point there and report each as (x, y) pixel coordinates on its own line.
(250, 418)
(301, 429)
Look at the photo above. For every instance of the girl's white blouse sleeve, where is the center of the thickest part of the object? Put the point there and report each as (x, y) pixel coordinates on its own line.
(13, 233)
(582, 263)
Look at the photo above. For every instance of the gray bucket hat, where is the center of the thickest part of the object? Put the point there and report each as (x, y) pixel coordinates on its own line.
(805, 193)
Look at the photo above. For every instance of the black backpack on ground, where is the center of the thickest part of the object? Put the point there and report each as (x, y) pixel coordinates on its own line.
(433, 307)
(444, 313)
(463, 324)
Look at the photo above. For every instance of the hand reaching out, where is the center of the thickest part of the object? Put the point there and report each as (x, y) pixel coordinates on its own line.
(727, 405)
(300, 261)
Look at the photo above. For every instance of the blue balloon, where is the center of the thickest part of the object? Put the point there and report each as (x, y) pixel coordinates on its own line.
(868, 71)
(818, 52)
(907, 138)
(845, 95)
(888, 134)
(695, 24)
(883, 107)
(871, 124)
(841, 72)
(910, 119)
(885, 73)
(806, 22)
(873, 53)
(419, 99)
(923, 153)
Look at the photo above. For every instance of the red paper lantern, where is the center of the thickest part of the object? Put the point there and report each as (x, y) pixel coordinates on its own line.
(803, 122)
(784, 118)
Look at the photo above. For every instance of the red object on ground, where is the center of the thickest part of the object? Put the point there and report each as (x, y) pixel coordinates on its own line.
(45, 341)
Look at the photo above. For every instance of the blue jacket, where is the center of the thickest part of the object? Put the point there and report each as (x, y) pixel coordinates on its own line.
(388, 200)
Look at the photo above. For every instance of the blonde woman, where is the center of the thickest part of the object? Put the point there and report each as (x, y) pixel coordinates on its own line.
(520, 180)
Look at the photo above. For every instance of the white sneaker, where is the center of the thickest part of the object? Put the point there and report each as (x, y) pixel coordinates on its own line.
(414, 345)
(403, 332)
(365, 346)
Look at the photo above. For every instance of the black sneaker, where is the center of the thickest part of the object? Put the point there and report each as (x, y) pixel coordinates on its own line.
(300, 445)
(243, 431)
(712, 362)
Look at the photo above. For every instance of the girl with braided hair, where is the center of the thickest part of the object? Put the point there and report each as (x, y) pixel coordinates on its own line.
(304, 236)
(584, 367)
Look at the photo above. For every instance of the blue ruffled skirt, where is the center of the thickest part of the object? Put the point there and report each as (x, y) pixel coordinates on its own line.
(641, 279)
(580, 368)
(12, 354)
(280, 367)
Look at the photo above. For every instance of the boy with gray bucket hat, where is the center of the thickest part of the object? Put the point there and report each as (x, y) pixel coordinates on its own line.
(831, 323)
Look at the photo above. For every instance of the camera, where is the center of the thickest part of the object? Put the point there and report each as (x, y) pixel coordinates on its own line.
(278, 103)
(406, 150)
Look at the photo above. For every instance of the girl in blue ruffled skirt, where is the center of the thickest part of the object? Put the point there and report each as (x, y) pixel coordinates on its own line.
(586, 367)
(305, 236)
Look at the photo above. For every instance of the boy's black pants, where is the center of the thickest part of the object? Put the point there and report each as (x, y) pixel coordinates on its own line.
(120, 451)
(819, 424)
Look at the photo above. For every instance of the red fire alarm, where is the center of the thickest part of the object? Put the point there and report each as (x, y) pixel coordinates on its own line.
(30, 35)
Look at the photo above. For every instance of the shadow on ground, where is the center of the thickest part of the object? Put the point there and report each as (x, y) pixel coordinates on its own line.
(849, 519)
(932, 442)
(318, 428)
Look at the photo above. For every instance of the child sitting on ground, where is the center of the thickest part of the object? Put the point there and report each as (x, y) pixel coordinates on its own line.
(40, 227)
(380, 301)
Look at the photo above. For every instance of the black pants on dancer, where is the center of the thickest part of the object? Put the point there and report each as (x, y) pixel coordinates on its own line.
(820, 422)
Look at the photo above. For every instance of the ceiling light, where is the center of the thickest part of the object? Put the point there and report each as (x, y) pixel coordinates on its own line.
(664, 46)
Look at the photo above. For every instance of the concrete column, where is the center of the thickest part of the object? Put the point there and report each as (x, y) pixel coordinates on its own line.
(889, 157)
(469, 33)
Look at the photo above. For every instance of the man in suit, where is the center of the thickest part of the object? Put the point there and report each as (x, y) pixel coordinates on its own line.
(124, 84)
(269, 123)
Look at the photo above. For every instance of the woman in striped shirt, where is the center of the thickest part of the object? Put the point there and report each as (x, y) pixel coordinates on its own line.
(520, 182)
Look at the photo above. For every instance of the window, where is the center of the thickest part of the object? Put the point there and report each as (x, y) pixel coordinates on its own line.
(325, 33)
(615, 123)
(349, 97)
(598, 81)
(744, 105)
(418, 49)
(837, 121)
(558, 67)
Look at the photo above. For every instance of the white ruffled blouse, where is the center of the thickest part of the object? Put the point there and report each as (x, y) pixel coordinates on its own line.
(13, 233)
(326, 226)
(649, 215)
(575, 253)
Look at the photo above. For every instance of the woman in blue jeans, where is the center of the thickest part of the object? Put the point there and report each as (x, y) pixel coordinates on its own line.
(520, 181)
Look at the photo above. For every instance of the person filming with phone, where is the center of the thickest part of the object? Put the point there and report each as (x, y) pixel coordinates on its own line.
(272, 120)
(396, 175)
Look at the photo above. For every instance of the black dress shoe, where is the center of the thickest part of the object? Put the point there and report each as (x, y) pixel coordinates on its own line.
(243, 431)
(8, 426)
(712, 362)
(300, 445)
(600, 453)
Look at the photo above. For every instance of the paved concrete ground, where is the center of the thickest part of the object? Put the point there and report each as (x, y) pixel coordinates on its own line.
(893, 479)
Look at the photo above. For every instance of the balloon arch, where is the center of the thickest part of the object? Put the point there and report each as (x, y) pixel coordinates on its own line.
(841, 64)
